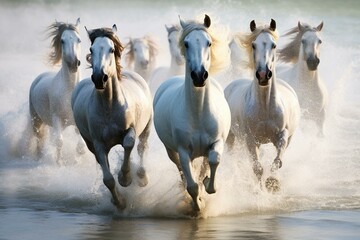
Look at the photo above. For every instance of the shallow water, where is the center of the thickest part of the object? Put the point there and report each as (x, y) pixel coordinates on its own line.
(320, 178)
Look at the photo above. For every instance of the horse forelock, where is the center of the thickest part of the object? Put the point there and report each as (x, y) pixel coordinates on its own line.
(55, 31)
(290, 53)
(108, 33)
(220, 52)
(246, 41)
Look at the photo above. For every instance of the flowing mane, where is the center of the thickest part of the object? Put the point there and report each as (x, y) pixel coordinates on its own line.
(246, 41)
(130, 54)
(107, 32)
(290, 53)
(220, 52)
(55, 31)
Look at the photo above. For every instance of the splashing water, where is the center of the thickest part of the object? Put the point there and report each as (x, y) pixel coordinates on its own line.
(316, 173)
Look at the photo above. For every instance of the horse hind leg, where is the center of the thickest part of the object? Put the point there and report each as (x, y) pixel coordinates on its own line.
(142, 148)
(124, 175)
(174, 157)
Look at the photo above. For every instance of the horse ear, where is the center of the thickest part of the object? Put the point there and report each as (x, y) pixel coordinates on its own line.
(77, 22)
(167, 28)
(318, 28)
(114, 28)
(207, 21)
(182, 23)
(301, 27)
(252, 25)
(88, 31)
(272, 25)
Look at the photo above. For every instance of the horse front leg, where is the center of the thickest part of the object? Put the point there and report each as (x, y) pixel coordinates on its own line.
(191, 186)
(102, 158)
(80, 147)
(57, 138)
(124, 175)
(142, 151)
(320, 123)
(214, 159)
(281, 144)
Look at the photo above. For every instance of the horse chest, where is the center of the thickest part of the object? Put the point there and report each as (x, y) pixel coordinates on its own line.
(265, 127)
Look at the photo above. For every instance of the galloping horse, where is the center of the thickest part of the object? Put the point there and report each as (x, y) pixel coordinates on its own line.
(264, 109)
(50, 93)
(177, 62)
(141, 55)
(304, 52)
(112, 107)
(191, 115)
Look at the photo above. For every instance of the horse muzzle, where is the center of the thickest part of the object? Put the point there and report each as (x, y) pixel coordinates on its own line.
(312, 63)
(199, 78)
(99, 80)
(74, 65)
(264, 77)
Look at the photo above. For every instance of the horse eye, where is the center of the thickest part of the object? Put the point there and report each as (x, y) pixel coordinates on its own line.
(320, 42)
(79, 40)
(303, 41)
(62, 41)
(91, 50)
(112, 50)
(253, 46)
(209, 44)
(186, 44)
(274, 46)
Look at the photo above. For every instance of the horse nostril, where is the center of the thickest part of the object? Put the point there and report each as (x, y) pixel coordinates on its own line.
(105, 78)
(206, 75)
(78, 62)
(269, 75)
(193, 75)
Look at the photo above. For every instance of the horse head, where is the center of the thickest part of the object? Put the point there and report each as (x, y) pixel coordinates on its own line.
(196, 44)
(66, 44)
(264, 52)
(310, 45)
(104, 55)
(173, 39)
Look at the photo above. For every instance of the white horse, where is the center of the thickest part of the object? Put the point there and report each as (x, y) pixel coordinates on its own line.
(304, 52)
(191, 115)
(177, 62)
(264, 109)
(141, 55)
(50, 92)
(112, 107)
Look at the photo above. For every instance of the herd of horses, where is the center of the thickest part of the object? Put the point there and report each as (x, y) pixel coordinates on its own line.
(193, 115)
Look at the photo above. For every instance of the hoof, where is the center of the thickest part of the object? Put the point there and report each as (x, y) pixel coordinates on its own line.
(258, 170)
(143, 180)
(124, 179)
(277, 164)
(208, 189)
(120, 204)
(272, 184)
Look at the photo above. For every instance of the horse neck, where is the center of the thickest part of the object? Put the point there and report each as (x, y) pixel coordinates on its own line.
(196, 98)
(145, 73)
(266, 96)
(175, 68)
(70, 78)
(112, 94)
